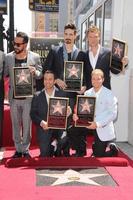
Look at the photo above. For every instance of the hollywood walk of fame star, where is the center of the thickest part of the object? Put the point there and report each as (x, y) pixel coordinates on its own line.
(23, 77)
(73, 71)
(73, 176)
(86, 106)
(58, 108)
(118, 51)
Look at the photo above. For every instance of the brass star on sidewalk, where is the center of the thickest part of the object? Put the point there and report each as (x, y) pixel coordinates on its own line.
(73, 176)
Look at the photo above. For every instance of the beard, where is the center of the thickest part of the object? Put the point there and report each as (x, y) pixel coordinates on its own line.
(17, 51)
(68, 41)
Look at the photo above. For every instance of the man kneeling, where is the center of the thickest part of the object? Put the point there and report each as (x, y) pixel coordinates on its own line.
(105, 114)
(39, 109)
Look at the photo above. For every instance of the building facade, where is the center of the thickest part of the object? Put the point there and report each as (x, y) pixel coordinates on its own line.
(53, 22)
(114, 18)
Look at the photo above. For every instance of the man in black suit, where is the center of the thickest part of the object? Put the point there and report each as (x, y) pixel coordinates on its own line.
(38, 113)
(55, 62)
(97, 57)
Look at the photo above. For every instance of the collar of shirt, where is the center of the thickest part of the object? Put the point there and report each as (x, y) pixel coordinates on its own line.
(48, 96)
(97, 93)
(93, 59)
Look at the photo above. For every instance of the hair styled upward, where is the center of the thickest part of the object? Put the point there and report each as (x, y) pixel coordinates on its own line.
(93, 29)
(24, 36)
(97, 72)
(70, 26)
(49, 72)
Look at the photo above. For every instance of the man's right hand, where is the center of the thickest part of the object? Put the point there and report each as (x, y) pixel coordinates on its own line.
(44, 125)
(62, 85)
(75, 117)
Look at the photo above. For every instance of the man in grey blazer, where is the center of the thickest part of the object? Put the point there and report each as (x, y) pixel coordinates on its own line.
(20, 107)
(105, 114)
(1, 92)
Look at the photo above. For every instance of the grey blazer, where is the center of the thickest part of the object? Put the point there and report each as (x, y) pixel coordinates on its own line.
(32, 58)
(1, 63)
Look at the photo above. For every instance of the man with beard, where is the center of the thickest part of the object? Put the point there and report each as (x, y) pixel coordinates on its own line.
(20, 107)
(55, 62)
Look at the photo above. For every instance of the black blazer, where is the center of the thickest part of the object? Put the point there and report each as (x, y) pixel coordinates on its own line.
(55, 61)
(39, 106)
(103, 63)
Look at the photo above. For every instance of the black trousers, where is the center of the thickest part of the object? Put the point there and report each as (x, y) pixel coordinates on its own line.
(99, 147)
(77, 138)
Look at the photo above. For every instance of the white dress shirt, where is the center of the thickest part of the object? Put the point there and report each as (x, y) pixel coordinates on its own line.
(93, 59)
(48, 96)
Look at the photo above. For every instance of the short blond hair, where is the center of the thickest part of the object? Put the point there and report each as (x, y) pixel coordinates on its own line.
(93, 29)
(97, 72)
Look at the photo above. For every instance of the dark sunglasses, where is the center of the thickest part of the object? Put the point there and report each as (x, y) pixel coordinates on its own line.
(17, 44)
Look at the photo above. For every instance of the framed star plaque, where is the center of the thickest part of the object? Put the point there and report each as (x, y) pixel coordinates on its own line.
(23, 82)
(73, 75)
(85, 110)
(119, 50)
(57, 113)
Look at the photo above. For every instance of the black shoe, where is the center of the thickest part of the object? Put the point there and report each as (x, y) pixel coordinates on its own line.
(26, 155)
(17, 155)
(114, 149)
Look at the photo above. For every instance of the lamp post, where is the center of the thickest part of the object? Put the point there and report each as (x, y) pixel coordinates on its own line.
(11, 24)
(1, 31)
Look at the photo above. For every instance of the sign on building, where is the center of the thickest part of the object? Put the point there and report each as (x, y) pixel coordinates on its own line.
(42, 46)
(3, 6)
(44, 5)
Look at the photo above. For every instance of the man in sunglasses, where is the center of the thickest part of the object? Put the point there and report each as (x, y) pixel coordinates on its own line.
(20, 106)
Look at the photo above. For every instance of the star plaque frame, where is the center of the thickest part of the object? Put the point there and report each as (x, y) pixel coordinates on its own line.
(57, 113)
(73, 75)
(118, 51)
(85, 110)
(23, 82)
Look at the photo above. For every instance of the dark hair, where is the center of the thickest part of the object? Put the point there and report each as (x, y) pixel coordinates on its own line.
(70, 26)
(24, 36)
(49, 72)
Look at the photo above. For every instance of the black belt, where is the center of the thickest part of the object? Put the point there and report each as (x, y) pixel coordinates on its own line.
(23, 98)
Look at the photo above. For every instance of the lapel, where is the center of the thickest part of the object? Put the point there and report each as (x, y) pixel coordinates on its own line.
(44, 98)
(56, 92)
(101, 96)
(60, 52)
(88, 58)
(99, 57)
(12, 59)
(75, 54)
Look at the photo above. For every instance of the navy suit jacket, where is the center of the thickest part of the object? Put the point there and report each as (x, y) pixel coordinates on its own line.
(103, 63)
(39, 106)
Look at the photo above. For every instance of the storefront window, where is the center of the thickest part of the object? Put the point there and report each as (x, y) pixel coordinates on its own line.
(91, 20)
(98, 17)
(83, 41)
(107, 23)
